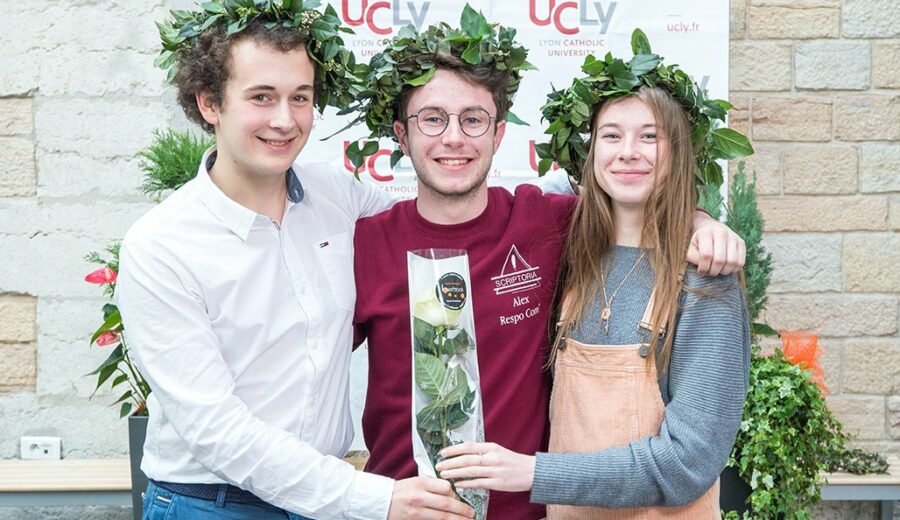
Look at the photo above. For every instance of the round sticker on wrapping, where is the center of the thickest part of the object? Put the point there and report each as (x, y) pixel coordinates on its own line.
(451, 291)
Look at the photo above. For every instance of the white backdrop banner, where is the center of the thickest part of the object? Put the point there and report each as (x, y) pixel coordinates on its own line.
(558, 36)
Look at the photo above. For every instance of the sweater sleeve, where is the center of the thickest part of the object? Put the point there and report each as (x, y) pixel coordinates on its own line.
(708, 379)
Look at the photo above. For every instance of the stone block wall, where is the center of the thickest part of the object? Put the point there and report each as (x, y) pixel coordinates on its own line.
(78, 98)
(817, 84)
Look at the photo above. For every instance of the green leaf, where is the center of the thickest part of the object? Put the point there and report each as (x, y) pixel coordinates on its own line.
(331, 50)
(421, 80)
(124, 397)
(407, 32)
(640, 44)
(712, 174)
(104, 375)
(555, 126)
(423, 330)
(472, 54)
(112, 360)
(125, 410)
(112, 322)
(514, 119)
(473, 23)
(370, 148)
(109, 308)
(429, 418)
(584, 93)
(458, 344)
(396, 155)
(621, 76)
(456, 417)
(431, 374)
(458, 383)
(119, 380)
(213, 7)
(593, 66)
(644, 63)
(544, 166)
(761, 329)
(730, 144)
(354, 154)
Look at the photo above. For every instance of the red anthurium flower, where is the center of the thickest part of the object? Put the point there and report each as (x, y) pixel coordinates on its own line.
(107, 338)
(101, 276)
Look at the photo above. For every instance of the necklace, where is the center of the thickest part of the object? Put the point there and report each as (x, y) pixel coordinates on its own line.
(606, 312)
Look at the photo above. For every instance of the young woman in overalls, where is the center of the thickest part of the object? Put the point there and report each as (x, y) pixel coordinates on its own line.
(651, 361)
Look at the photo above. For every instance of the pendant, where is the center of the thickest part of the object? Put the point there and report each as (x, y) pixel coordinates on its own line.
(604, 315)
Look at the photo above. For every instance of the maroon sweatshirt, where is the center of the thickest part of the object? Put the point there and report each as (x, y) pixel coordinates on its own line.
(514, 248)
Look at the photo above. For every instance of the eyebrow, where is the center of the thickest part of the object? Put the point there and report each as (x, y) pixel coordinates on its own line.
(605, 125)
(269, 88)
(474, 107)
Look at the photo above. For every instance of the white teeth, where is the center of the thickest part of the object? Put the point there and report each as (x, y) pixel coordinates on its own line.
(276, 143)
(453, 162)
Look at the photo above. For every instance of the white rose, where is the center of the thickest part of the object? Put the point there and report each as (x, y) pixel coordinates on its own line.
(434, 313)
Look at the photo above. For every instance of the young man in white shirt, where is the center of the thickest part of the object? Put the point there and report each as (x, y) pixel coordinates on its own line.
(237, 292)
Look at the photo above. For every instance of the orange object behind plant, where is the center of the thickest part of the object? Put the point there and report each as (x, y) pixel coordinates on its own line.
(802, 349)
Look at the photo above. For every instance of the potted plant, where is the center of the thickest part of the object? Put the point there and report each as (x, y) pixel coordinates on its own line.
(171, 160)
(788, 437)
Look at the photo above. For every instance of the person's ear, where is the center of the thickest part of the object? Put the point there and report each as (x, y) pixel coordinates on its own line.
(499, 132)
(400, 131)
(208, 108)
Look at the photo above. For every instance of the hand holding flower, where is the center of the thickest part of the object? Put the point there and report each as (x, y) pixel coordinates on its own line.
(487, 465)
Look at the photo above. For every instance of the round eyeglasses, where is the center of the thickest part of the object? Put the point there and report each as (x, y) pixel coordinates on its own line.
(432, 121)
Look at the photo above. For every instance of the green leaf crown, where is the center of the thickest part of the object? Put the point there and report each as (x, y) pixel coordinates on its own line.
(410, 58)
(570, 111)
(338, 76)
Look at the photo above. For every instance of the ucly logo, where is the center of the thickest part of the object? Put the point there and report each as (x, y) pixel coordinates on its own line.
(366, 14)
(588, 13)
(370, 165)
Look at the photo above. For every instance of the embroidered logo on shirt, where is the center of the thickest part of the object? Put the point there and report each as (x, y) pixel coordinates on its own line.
(516, 275)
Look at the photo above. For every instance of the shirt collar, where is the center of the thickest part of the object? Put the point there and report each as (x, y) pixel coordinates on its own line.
(232, 215)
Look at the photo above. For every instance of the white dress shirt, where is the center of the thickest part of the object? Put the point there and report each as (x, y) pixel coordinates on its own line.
(243, 329)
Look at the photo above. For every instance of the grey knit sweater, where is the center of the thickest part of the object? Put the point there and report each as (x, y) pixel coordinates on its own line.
(703, 391)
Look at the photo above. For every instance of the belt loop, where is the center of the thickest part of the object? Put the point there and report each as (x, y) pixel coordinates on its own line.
(220, 498)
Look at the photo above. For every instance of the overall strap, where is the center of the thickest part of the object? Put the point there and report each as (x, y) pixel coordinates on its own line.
(645, 322)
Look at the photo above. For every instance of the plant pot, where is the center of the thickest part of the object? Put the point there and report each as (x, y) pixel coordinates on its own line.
(137, 431)
(734, 493)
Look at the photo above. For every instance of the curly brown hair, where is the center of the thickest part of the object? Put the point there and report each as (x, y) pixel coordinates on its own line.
(204, 67)
(487, 76)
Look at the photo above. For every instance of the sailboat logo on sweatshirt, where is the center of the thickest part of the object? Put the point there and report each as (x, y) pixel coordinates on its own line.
(517, 274)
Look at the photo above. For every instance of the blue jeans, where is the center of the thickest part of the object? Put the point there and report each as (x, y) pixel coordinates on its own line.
(162, 504)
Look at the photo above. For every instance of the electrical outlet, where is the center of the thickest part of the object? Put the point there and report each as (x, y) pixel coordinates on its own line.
(40, 448)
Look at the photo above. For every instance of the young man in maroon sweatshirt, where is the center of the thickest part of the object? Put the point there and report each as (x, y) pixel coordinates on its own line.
(514, 244)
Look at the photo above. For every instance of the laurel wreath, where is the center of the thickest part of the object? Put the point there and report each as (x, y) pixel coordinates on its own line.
(409, 60)
(569, 111)
(338, 76)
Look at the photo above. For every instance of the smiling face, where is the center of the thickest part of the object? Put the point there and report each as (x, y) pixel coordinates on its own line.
(267, 111)
(628, 149)
(453, 164)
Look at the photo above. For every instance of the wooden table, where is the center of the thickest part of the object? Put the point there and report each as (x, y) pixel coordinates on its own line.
(881, 488)
(77, 482)
(68, 482)
(107, 482)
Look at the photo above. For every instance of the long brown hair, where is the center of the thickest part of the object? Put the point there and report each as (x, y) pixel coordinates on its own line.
(668, 216)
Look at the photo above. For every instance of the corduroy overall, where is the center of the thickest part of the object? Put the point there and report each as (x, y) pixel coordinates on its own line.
(606, 396)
